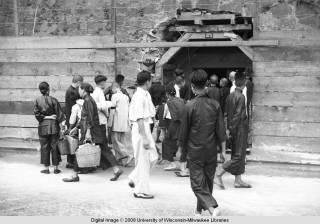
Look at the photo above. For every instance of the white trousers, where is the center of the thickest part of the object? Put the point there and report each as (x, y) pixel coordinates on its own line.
(144, 159)
(119, 144)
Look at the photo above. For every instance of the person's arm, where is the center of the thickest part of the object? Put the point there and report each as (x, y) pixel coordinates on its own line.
(58, 111)
(235, 118)
(184, 132)
(221, 131)
(142, 132)
(86, 121)
(73, 116)
(114, 100)
(37, 112)
(184, 129)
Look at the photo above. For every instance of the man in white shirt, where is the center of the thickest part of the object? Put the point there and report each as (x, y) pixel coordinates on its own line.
(103, 106)
(99, 98)
(141, 114)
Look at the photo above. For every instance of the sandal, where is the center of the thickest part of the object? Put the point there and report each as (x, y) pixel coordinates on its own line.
(143, 196)
(45, 171)
(242, 186)
(179, 174)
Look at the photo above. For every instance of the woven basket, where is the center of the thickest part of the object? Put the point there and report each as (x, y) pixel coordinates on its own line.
(88, 155)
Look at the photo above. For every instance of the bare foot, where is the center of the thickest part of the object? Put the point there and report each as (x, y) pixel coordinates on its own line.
(218, 181)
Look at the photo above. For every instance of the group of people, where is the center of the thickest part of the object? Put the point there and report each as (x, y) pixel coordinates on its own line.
(195, 116)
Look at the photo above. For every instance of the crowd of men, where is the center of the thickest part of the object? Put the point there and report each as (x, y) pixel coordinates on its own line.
(196, 117)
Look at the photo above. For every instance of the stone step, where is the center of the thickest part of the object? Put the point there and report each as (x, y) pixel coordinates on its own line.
(275, 156)
(256, 155)
(19, 144)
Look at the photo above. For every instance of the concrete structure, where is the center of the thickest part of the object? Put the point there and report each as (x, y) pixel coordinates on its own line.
(286, 96)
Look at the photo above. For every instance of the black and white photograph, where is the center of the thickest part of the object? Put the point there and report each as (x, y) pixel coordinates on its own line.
(159, 111)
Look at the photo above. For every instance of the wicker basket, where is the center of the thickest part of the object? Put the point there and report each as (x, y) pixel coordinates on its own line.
(88, 155)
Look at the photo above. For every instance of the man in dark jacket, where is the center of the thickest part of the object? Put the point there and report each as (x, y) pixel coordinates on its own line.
(72, 95)
(158, 96)
(172, 113)
(182, 86)
(237, 124)
(202, 129)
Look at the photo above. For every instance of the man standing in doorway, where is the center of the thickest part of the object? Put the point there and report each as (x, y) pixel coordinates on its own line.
(141, 114)
(201, 131)
(213, 88)
(71, 97)
(237, 125)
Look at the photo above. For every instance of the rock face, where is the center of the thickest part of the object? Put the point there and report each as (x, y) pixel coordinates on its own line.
(60, 17)
(135, 19)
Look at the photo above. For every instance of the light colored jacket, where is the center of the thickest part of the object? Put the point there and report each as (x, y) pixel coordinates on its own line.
(121, 112)
(102, 105)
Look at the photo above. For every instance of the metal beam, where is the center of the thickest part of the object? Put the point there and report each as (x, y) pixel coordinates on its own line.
(252, 43)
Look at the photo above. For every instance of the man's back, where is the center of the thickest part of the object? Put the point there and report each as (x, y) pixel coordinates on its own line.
(121, 116)
(236, 110)
(214, 93)
(202, 125)
(157, 92)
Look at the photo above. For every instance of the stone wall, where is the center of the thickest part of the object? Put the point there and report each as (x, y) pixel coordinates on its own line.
(59, 17)
(135, 19)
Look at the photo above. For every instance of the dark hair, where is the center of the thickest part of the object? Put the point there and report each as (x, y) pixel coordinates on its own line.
(87, 87)
(100, 78)
(199, 78)
(44, 88)
(119, 78)
(77, 78)
(143, 77)
(178, 72)
(240, 79)
(170, 90)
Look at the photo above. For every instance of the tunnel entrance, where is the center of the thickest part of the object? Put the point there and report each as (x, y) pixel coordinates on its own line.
(214, 60)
